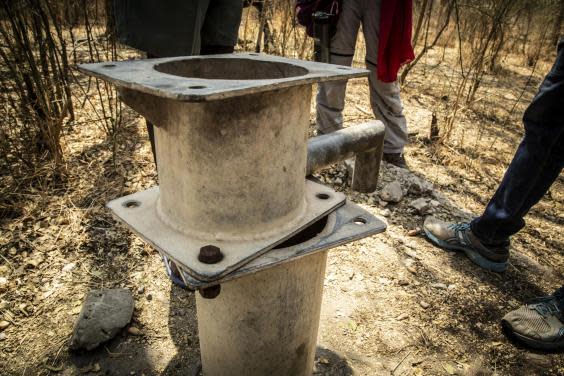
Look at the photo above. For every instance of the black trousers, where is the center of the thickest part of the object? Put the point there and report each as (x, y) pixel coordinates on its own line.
(536, 165)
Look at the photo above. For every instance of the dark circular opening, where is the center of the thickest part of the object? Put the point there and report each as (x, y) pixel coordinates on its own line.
(108, 65)
(230, 69)
(322, 196)
(197, 87)
(306, 234)
(359, 221)
(344, 68)
(131, 204)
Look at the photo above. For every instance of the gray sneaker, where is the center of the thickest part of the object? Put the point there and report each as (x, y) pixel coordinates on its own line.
(459, 237)
(538, 324)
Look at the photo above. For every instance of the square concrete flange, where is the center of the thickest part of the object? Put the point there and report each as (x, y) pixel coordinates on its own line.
(348, 223)
(212, 77)
(139, 212)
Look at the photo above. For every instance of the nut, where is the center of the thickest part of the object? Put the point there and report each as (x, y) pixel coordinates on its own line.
(210, 292)
(210, 254)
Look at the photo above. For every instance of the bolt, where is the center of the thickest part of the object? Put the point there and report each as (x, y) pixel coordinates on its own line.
(210, 292)
(210, 254)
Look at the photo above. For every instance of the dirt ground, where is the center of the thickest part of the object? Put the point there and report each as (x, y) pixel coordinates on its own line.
(393, 304)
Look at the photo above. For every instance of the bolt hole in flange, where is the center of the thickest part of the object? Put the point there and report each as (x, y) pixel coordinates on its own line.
(359, 221)
(130, 204)
(322, 196)
(197, 87)
(109, 65)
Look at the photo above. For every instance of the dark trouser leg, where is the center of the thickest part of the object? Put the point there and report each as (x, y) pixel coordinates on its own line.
(221, 27)
(150, 129)
(536, 164)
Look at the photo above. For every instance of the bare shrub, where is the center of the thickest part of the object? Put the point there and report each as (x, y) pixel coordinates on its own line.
(36, 87)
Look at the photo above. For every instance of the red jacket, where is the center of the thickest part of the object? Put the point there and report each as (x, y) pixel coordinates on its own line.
(394, 45)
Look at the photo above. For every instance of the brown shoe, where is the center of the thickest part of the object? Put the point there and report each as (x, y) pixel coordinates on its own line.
(539, 324)
(397, 159)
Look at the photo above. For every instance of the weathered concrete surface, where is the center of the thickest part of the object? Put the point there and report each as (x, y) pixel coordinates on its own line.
(104, 313)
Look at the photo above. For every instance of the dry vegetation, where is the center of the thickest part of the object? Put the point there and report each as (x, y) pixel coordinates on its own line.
(67, 147)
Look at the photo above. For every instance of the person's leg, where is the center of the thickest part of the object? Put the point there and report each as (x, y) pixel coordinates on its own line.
(221, 27)
(537, 162)
(331, 95)
(539, 323)
(384, 97)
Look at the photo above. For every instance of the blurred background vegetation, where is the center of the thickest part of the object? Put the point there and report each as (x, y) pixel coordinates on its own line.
(43, 98)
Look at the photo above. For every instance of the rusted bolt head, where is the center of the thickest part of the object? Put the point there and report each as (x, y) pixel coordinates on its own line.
(210, 254)
(210, 292)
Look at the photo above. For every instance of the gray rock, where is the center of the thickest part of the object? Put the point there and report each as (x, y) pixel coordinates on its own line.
(392, 192)
(419, 186)
(424, 304)
(104, 313)
(421, 205)
(441, 286)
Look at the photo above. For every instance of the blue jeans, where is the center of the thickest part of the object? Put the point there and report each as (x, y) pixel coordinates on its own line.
(535, 166)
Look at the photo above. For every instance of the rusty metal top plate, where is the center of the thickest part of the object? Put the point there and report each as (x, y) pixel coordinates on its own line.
(213, 77)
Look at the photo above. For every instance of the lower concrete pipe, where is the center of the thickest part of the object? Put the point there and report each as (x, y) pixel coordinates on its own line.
(265, 323)
(365, 141)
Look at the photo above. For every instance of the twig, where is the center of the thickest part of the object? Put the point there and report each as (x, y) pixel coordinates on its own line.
(405, 357)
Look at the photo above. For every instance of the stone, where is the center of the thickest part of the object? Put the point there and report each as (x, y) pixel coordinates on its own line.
(410, 265)
(414, 232)
(403, 282)
(68, 267)
(3, 283)
(392, 192)
(421, 205)
(419, 186)
(134, 331)
(441, 286)
(104, 313)
(4, 324)
(424, 304)
(386, 212)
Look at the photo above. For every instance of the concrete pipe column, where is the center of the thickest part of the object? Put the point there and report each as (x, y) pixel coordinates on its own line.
(230, 169)
(264, 323)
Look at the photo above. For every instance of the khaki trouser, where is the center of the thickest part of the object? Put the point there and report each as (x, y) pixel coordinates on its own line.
(384, 97)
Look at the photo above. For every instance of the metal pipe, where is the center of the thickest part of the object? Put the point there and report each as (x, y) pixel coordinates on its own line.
(365, 141)
(265, 323)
